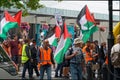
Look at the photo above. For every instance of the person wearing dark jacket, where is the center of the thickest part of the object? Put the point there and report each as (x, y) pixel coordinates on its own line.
(26, 59)
(97, 50)
(34, 57)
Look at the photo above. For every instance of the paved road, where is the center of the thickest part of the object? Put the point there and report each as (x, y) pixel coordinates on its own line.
(35, 77)
(45, 76)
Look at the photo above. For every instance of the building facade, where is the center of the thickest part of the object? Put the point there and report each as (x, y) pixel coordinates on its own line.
(46, 15)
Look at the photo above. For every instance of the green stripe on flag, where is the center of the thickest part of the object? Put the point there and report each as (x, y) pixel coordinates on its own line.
(87, 33)
(60, 55)
(55, 42)
(6, 28)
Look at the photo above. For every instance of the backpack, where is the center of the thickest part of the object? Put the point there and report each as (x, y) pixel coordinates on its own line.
(66, 63)
(115, 58)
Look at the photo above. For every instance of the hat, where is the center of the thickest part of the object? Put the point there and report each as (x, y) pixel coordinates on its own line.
(77, 41)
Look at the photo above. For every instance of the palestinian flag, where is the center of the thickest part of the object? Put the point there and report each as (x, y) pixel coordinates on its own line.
(63, 45)
(55, 35)
(86, 23)
(8, 22)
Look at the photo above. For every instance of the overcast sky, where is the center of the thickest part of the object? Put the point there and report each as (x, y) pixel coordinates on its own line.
(94, 6)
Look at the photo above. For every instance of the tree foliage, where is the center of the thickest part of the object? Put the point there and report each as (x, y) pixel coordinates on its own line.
(25, 5)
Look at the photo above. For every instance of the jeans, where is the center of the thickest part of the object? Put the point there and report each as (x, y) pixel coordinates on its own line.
(76, 71)
(15, 59)
(117, 73)
(46, 68)
(26, 66)
(59, 68)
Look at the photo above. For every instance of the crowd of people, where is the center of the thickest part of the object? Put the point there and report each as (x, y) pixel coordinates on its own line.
(78, 60)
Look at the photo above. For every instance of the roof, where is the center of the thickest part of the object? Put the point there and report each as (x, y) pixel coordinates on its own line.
(47, 11)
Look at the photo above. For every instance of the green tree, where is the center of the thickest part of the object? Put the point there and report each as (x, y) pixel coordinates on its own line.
(22, 4)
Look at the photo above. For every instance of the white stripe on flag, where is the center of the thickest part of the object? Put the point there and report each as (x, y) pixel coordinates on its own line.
(60, 45)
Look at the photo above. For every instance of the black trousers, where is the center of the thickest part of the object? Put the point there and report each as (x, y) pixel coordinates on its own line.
(26, 66)
(34, 67)
(117, 73)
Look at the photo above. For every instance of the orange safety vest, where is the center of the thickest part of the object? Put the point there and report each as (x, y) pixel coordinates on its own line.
(88, 57)
(45, 56)
(106, 60)
(84, 49)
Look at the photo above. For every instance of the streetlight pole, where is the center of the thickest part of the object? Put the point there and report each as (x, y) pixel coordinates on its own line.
(110, 40)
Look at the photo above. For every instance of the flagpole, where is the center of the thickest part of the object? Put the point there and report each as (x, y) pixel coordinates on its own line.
(62, 29)
(110, 40)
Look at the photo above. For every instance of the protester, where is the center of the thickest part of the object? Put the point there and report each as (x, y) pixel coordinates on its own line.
(26, 59)
(46, 60)
(102, 55)
(59, 70)
(85, 50)
(66, 64)
(97, 50)
(87, 44)
(116, 48)
(88, 59)
(103, 52)
(93, 51)
(93, 65)
(20, 45)
(105, 68)
(34, 57)
(76, 60)
(14, 49)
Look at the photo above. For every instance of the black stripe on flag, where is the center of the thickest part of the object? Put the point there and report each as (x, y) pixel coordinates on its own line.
(50, 32)
(80, 15)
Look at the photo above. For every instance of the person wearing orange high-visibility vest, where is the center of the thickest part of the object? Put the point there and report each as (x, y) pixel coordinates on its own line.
(89, 51)
(86, 52)
(46, 60)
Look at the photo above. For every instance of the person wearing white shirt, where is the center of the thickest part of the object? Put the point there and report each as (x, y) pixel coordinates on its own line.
(116, 48)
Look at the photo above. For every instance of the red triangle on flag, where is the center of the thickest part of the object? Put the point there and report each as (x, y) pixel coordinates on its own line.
(57, 31)
(89, 17)
(66, 33)
(18, 17)
(8, 17)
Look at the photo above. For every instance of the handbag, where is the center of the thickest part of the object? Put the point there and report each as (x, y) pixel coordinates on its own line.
(95, 66)
(115, 58)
